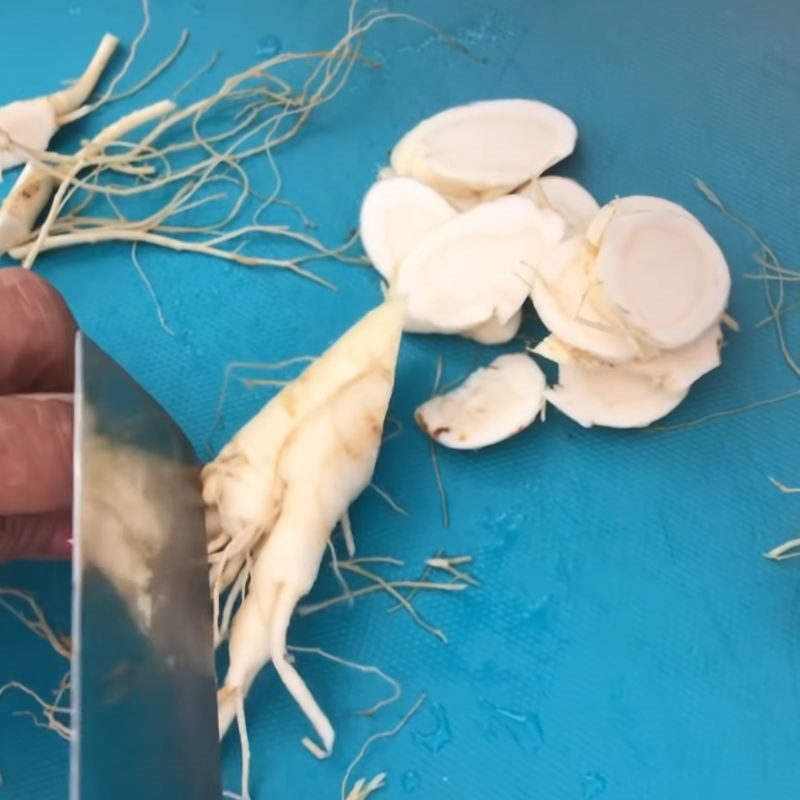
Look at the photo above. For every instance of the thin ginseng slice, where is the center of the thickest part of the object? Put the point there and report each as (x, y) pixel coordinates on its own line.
(395, 216)
(493, 332)
(674, 370)
(665, 274)
(610, 397)
(565, 298)
(477, 266)
(487, 148)
(565, 196)
(493, 404)
(32, 123)
(631, 204)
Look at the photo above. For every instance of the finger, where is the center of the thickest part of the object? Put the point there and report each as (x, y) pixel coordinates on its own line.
(35, 455)
(37, 335)
(36, 536)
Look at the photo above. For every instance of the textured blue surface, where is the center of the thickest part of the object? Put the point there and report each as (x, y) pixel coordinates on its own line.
(629, 641)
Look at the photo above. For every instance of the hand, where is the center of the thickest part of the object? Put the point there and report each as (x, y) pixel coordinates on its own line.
(37, 339)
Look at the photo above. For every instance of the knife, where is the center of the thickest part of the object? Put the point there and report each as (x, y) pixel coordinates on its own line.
(144, 711)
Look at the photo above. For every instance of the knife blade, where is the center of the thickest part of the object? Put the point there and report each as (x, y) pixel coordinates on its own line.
(144, 712)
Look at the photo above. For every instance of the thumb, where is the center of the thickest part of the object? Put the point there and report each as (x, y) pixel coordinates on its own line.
(36, 536)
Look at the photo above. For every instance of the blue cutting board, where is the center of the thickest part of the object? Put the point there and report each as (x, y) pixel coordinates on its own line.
(628, 641)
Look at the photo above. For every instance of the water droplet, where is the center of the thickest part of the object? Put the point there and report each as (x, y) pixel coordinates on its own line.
(436, 739)
(74, 11)
(269, 46)
(524, 728)
(411, 781)
(594, 784)
(537, 616)
(198, 8)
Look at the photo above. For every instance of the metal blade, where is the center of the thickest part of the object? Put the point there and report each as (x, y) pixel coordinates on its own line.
(144, 709)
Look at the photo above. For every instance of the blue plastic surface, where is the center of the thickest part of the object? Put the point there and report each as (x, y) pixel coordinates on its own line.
(629, 641)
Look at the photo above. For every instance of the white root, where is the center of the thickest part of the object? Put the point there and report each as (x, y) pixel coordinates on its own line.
(790, 549)
(479, 266)
(610, 397)
(673, 370)
(485, 149)
(293, 471)
(33, 123)
(358, 790)
(34, 186)
(493, 404)
(362, 788)
(396, 213)
(38, 624)
(240, 486)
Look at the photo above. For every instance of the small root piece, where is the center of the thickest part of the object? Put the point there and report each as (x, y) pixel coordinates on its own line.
(783, 487)
(206, 68)
(347, 533)
(437, 473)
(156, 71)
(51, 711)
(387, 586)
(393, 434)
(254, 365)
(107, 96)
(440, 488)
(320, 753)
(450, 565)
(390, 501)
(238, 590)
(241, 723)
(362, 788)
(727, 412)
(335, 565)
(368, 743)
(790, 549)
(39, 625)
(365, 668)
(151, 291)
(390, 589)
(769, 262)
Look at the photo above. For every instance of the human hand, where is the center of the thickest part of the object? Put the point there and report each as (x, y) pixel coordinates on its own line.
(37, 338)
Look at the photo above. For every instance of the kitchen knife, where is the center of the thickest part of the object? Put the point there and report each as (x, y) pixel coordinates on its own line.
(144, 712)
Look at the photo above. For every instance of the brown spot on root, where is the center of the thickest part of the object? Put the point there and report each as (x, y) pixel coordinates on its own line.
(434, 433)
(30, 190)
